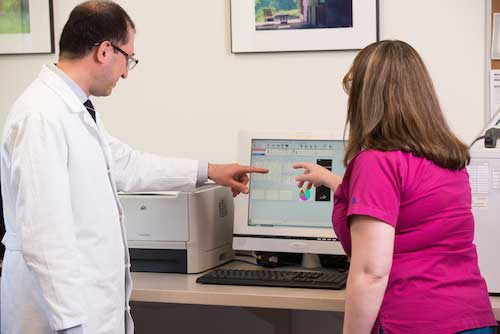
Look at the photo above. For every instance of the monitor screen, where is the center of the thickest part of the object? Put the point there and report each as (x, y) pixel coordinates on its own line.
(275, 199)
(277, 215)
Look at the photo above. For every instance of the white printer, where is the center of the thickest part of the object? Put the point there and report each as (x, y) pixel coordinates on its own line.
(179, 232)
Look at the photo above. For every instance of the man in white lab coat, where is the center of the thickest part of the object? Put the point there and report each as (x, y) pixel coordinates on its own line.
(66, 267)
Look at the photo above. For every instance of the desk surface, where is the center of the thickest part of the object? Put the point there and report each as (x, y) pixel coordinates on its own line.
(183, 289)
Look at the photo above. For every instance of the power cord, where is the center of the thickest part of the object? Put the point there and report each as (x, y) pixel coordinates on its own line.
(475, 140)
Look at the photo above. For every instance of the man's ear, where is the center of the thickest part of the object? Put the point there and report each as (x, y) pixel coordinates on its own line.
(104, 52)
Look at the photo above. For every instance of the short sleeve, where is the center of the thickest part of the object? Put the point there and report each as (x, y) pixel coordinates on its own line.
(374, 186)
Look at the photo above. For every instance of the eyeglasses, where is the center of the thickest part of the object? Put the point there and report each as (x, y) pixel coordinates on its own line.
(131, 61)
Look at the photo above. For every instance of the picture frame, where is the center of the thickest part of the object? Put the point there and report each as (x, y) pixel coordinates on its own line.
(303, 25)
(26, 27)
(495, 40)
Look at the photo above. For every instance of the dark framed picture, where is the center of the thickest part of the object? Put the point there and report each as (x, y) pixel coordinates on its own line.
(26, 27)
(495, 40)
(302, 25)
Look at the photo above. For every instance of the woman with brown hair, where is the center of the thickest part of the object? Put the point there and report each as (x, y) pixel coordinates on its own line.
(403, 207)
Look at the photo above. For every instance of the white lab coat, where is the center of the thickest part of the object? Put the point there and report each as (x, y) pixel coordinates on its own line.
(67, 260)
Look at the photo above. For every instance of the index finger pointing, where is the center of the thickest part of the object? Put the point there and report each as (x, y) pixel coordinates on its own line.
(253, 169)
(304, 165)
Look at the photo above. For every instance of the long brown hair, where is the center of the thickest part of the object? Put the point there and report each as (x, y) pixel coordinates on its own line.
(393, 106)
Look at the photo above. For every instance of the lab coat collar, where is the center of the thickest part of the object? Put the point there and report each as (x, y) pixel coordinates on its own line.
(57, 84)
(75, 88)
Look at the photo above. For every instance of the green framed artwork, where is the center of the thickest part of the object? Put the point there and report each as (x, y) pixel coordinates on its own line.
(26, 27)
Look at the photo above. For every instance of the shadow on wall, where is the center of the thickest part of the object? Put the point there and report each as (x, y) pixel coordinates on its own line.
(2, 225)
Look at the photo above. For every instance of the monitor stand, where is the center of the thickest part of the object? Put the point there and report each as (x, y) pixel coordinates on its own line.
(310, 261)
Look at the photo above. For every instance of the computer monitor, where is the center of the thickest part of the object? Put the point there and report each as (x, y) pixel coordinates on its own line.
(277, 216)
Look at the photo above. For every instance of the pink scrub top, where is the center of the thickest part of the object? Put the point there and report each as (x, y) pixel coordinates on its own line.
(434, 285)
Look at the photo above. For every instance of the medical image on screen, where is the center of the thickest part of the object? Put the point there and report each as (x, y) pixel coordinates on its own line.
(275, 199)
(323, 194)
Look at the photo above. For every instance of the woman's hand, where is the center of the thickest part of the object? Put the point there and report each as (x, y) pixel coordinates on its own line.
(316, 175)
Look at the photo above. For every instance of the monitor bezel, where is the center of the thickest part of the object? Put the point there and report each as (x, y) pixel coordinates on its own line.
(256, 235)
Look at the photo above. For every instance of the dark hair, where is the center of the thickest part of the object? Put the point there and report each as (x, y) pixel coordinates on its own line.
(393, 106)
(91, 22)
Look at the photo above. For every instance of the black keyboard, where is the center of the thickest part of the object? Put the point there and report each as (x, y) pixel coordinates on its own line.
(335, 280)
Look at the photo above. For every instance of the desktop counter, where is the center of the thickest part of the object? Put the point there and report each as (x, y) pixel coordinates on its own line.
(183, 289)
(177, 301)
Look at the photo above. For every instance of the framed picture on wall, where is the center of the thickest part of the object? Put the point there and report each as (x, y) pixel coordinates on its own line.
(302, 25)
(495, 40)
(26, 27)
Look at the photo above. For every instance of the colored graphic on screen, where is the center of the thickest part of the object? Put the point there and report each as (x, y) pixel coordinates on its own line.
(304, 194)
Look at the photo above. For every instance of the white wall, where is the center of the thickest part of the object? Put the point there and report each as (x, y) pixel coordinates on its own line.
(189, 95)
